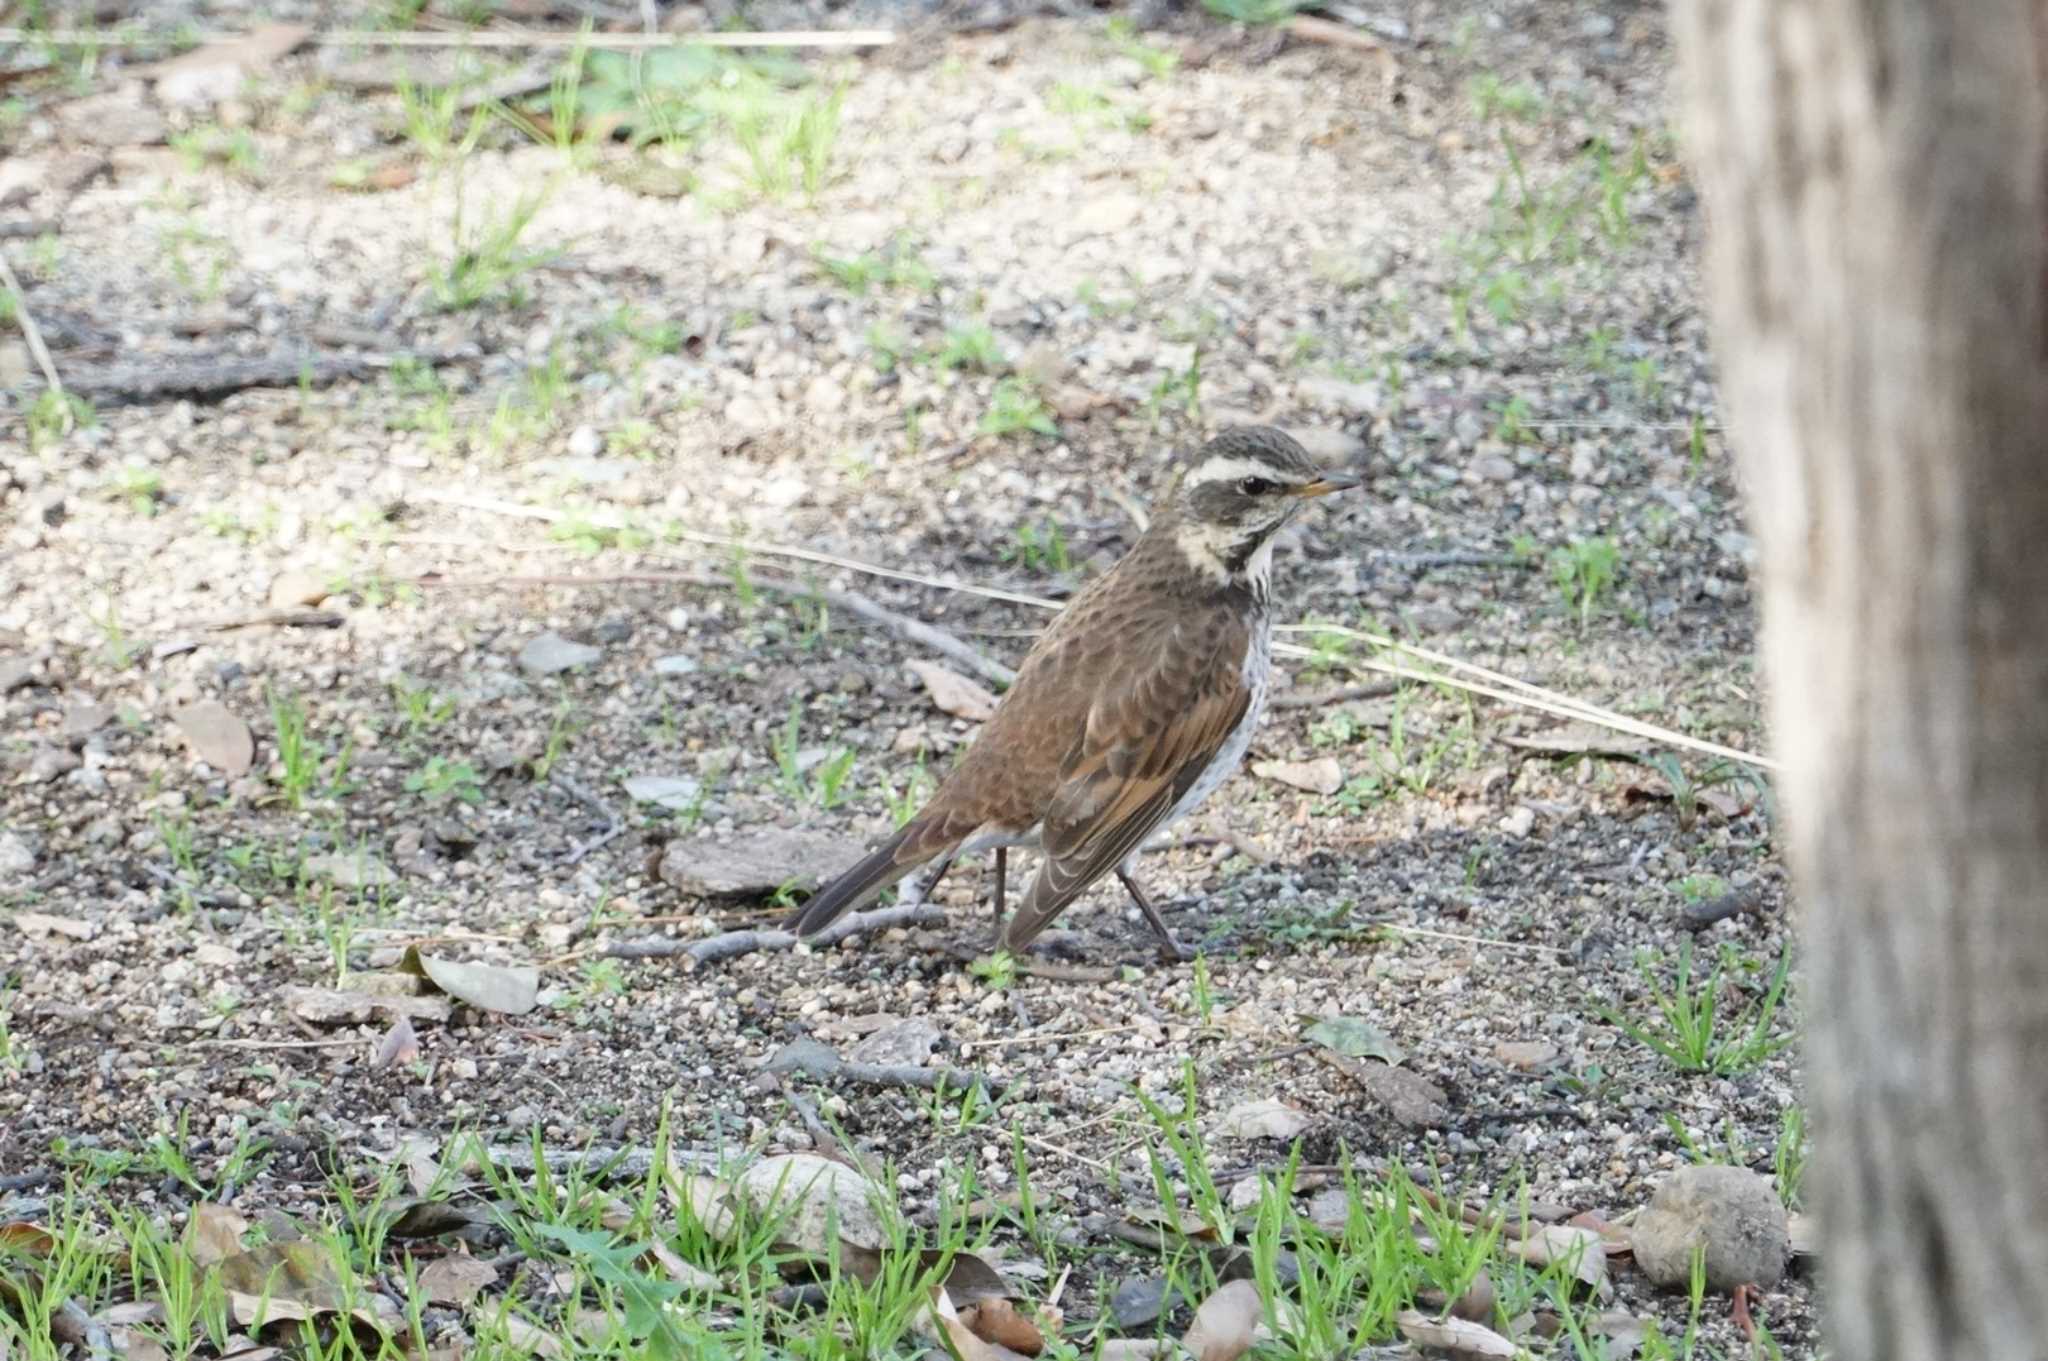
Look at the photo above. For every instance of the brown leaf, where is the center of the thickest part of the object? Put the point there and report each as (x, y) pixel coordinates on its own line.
(1412, 1100)
(1320, 776)
(1614, 1237)
(1226, 1323)
(953, 693)
(456, 1279)
(214, 1234)
(998, 1321)
(399, 1045)
(970, 1280)
(282, 1281)
(20, 1236)
(944, 1321)
(1460, 1337)
(217, 737)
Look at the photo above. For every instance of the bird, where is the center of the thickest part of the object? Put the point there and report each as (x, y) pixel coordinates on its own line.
(1134, 705)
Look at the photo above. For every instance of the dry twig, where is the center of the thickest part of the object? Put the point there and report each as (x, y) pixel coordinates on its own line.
(30, 331)
(731, 945)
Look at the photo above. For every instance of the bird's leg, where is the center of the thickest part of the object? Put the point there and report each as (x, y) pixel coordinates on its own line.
(1152, 917)
(1002, 873)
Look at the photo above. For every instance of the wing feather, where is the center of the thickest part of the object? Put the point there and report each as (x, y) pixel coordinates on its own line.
(1146, 743)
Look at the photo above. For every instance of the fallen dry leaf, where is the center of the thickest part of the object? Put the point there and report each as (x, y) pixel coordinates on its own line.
(41, 926)
(329, 1006)
(1353, 1038)
(136, 1345)
(1579, 740)
(1226, 1324)
(943, 1321)
(685, 1274)
(1585, 1249)
(674, 792)
(511, 989)
(999, 1322)
(1624, 1333)
(214, 72)
(1271, 1118)
(217, 737)
(282, 1281)
(1460, 1337)
(1804, 1234)
(399, 1045)
(953, 693)
(214, 1233)
(456, 1279)
(1320, 776)
(525, 1336)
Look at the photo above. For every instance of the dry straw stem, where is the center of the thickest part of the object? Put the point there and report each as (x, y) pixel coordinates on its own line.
(1456, 673)
(29, 330)
(367, 37)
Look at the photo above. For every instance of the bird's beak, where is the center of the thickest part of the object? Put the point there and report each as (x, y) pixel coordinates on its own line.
(1326, 484)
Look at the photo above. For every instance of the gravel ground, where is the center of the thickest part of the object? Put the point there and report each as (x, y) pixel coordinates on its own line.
(1417, 257)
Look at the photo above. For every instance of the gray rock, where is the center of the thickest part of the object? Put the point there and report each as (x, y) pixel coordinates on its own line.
(18, 852)
(1732, 1212)
(83, 720)
(15, 672)
(585, 442)
(1492, 467)
(755, 863)
(551, 653)
(676, 664)
(217, 737)
(51, 762)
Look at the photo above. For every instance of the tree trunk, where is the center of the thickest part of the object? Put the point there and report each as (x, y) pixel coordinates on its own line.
(1872, 173)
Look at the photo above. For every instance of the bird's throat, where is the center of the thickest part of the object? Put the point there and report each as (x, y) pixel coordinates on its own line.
(1227, 557)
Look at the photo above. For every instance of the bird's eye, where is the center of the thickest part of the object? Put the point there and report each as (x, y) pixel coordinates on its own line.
(1255, 486)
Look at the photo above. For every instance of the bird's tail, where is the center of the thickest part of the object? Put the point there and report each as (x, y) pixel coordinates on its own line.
(916, 843)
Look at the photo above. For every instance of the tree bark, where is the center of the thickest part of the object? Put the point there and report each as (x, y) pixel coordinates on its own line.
(1872, 173)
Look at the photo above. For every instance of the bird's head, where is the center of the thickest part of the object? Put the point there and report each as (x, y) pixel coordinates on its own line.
(1235, 494)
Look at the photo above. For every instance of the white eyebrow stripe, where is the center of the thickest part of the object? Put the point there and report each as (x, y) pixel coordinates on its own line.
(1232, 468)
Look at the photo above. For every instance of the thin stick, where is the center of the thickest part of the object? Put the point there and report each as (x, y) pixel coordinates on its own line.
(1464, 940)
(366, 37)
(1316, 699)
(494, 506)
(915, 630)
(30, 332)
(1501, 686)
(712, 949)
(1045, 1146)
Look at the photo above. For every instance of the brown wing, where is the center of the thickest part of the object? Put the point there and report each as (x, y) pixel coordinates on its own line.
(1149, 736)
